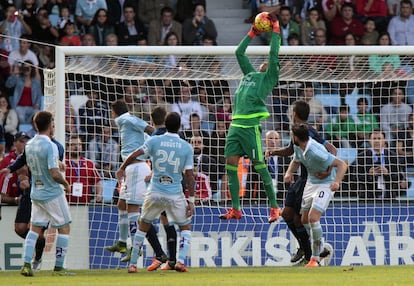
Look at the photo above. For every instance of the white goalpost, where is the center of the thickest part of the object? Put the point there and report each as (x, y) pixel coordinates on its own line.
(362, 230)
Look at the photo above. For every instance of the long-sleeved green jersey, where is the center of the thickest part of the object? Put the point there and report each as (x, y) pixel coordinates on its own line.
(249, 104)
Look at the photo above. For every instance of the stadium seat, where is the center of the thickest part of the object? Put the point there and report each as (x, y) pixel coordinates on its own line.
(54, 19)
(108, 187)
(351, 100)
(331, 102)
(24, 127)
(410, 190)
(347, 154)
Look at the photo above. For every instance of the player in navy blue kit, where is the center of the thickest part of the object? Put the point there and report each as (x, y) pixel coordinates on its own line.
(291, 209)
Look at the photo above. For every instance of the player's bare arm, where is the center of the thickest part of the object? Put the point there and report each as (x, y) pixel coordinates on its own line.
(98, 188)
(331, 148)
(58, 177)
(149, 129)
(189, 179)
(281, 152)
(341, 168)
(289, 175)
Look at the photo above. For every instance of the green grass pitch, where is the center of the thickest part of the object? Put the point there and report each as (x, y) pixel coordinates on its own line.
(251, 276)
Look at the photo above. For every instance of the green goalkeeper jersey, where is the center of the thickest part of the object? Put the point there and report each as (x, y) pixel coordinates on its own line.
(249, 104)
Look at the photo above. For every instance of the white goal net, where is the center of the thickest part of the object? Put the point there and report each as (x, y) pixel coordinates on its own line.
(369, 222)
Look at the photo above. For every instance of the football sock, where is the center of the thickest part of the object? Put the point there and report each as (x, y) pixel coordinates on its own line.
(184, 245)
(267, 182)
(316, 238)
(304, 242)
(138, 241)
(291, 225)
(133, 223)
(40, 245)
(308, 229)
(154, 242)
(62, 243)
(29, 245)
(171, 241)
(234, 185)
(123, 225)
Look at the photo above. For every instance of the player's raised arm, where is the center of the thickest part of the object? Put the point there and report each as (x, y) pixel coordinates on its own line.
(241, 56)
(272, 73)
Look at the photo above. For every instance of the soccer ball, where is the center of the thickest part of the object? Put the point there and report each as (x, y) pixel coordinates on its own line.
(263, 22)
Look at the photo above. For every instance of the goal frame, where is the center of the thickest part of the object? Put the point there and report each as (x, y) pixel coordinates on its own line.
(63, 51)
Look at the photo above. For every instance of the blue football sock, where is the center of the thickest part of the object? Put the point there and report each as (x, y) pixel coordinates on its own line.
(184, 245)
(62, 243)
(29, 246)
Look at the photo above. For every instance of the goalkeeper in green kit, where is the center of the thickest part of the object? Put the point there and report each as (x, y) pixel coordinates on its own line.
(244, 136)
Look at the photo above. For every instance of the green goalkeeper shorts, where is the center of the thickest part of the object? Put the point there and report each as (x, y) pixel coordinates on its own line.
(244, 141)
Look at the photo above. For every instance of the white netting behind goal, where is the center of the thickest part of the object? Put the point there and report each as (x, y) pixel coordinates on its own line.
(367, 223)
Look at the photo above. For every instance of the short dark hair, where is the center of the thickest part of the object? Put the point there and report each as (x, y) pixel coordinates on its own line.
(119, 107)
(301, 131)
(68, 23)
(293, 36)
(369, 19)
(344, 107)
(194, 114)
(362, 100)
(200, 4)
(347, 4)
(169, 34)
(173, 122)
(25, 37)
(377, 130)
(302, 109)
(129, 5)
(42, 120)
(158, 115)
(167, 9)
(285, 8)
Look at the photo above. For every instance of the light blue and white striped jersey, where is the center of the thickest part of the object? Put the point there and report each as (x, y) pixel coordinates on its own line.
(170, 156)
(316, 159)
(41, 156)
(131, 130)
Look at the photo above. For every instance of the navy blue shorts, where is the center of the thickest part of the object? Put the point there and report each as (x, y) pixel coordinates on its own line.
(294, 194)
(24, 209)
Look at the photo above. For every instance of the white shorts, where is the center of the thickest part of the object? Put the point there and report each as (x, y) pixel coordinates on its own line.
(174, 205)
(134, 188)
(55, 211)
(317, 196)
